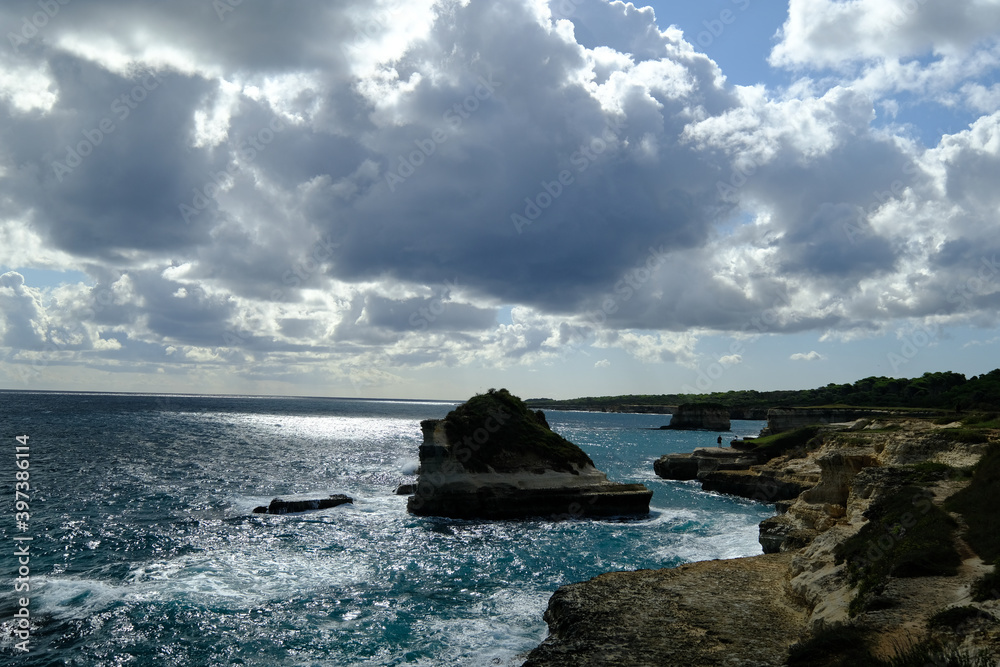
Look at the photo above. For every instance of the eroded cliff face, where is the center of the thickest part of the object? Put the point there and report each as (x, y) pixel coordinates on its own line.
(498, 460)
(701, 416)
(780, 420)
(801, 584)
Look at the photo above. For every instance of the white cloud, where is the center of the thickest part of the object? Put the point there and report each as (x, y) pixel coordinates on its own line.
(832, 33)
(664, 205)
(807, 356)
(603, 363)
(731, 360)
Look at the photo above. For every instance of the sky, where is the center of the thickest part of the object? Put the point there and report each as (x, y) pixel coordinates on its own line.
(429, 198)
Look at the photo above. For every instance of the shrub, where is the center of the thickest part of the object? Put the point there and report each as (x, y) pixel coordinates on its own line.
(906, 536)
(977, 504)
(771, 446)
(954, 617)
(928, 471)
(987, 587)
(833, 646)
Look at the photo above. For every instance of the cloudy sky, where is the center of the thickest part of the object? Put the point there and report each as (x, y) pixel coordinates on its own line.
(427, 198)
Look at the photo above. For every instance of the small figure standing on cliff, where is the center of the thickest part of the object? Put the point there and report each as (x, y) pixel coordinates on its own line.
(719, 440)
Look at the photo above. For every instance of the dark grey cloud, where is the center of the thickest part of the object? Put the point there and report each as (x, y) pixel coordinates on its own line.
(290, 179)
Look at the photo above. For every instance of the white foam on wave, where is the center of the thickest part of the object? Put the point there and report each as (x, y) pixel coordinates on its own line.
(408, 466)
(235, 579)
(719, 535)
(498, 631)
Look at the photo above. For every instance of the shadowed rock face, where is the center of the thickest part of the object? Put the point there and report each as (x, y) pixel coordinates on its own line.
(293, 504)
(493, 458)
(701, 416)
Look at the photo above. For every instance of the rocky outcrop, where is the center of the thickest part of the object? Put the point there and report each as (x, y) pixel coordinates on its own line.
(738, 472)
(749, 611)
(700, 416)
(703, 460)
(291, 504)
(780, 420)
(493, 458)
(732, 612)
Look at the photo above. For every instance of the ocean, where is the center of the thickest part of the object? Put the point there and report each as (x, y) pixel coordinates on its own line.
(144, 549)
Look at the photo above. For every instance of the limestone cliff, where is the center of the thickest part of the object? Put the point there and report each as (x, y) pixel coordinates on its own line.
(700, 416)
(493, 458)
(868, 548)
(780, 420)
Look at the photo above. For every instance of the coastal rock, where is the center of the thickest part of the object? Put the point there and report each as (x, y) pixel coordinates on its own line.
(780, 420)
(739, 472)
(406, 489)
(290, 504)
(700, 416)
(732, 612)
(493, 458)
(749, 611)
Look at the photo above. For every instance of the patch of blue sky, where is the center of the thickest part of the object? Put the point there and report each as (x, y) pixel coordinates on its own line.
(48, 278)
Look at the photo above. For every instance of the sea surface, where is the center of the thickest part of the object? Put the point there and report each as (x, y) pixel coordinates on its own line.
(145, 550)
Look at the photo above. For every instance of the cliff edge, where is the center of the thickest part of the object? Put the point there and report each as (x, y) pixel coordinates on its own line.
(493, 458)
(883, 559)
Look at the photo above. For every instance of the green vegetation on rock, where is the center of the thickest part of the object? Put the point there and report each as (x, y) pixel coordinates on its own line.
(977, 504)
(954, 618)
(848, 646)
(518, 438)
(771, 446)
(987, 587)
(906, 536)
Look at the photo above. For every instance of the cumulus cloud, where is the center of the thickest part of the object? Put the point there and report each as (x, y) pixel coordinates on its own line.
(807, 356)
(333, 188)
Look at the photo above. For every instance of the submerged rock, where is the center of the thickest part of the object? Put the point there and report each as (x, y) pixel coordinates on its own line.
(291, 504)
(493, 458)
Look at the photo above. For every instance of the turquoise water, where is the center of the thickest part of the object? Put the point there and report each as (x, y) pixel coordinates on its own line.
(145, 550)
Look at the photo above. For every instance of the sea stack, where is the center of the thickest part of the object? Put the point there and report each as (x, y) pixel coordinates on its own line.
(700, 416)
(493, 458)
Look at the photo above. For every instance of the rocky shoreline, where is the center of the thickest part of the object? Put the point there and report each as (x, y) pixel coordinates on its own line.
(830, 562)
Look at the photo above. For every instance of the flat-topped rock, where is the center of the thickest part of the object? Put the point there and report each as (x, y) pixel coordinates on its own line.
(700, 416)
(303, 503)
(722, 612)
(493, 458)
